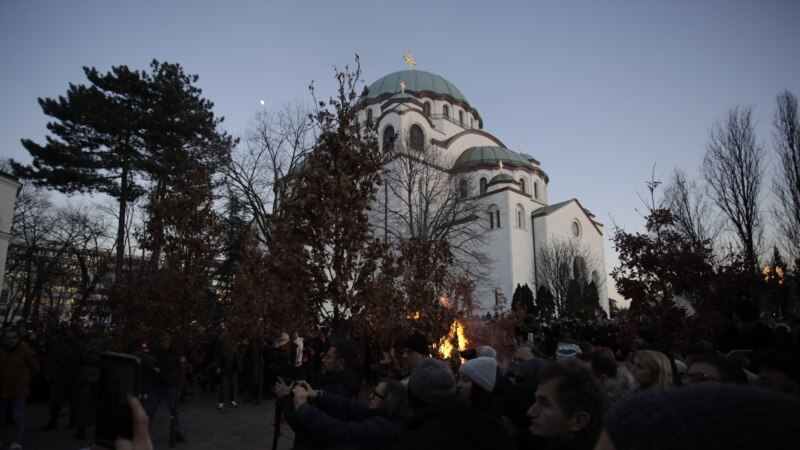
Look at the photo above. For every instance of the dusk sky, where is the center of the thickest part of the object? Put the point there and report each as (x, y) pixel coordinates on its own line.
(598, 92)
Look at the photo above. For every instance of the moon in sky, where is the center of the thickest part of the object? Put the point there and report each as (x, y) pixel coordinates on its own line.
(262, 102)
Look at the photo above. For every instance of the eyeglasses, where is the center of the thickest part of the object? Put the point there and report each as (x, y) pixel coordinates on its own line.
(375, 393)
(697, 377)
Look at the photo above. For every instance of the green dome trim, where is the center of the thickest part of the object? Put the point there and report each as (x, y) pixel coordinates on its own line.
(501, 178)
(490, 156)
(416, 81)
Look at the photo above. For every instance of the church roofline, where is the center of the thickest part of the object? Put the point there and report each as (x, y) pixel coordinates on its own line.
(547, 210)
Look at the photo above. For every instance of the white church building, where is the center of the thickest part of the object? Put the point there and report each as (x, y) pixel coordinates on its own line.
(517, 215)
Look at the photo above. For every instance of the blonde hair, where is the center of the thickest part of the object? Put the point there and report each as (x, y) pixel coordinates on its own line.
(658, 364)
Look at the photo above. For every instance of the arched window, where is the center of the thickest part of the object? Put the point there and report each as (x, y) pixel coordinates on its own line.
(494, 217)
(576, 228)
(461, 117)
(426, 108)
(482, 186)
(535, 190)
(520, 217)
(388, 138)
(369, 114)
(417, 137)
(446, 111)
(523, 185)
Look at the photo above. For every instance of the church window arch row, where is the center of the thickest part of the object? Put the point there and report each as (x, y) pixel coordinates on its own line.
(369, 114)
(446, 111)
(426, 108)
(461, 117)
(482, 185)
(536, 189)
(523, 185)
(520, 216)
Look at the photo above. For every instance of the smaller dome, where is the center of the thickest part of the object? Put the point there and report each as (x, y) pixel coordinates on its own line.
(503, 178)
(491, 156)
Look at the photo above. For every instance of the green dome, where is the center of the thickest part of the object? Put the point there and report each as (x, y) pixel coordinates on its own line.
(503, 177)
(416, 81)
(491, 156)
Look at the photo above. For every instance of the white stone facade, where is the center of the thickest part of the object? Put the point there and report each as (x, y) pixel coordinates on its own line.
(9, 187)
(517, 193)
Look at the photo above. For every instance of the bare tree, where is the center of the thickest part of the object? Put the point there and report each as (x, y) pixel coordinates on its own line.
(561, 262)
(274, 145)
(733, 168)
(690, 209)
(786, 183)
(423, 198)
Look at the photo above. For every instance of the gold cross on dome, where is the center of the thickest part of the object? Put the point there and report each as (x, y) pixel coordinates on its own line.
(402, 86)
(501, 167)
(410, 60)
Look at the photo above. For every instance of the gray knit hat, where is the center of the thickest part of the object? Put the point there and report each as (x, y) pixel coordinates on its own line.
(432, 381)
(482, 371)
(567, 351)
(485, 350)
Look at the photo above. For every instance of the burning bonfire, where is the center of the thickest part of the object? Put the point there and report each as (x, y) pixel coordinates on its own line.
(456, 339)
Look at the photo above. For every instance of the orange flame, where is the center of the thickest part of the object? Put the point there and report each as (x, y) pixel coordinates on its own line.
(446, 347)
(416, 315)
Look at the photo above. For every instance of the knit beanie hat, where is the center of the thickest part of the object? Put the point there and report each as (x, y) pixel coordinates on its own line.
(482, 371)
(417, 343)
(485, 350)
(701, 417)
(432, 381)
(567, 351)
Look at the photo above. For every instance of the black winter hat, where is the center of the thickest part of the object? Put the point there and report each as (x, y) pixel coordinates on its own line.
(417, 343)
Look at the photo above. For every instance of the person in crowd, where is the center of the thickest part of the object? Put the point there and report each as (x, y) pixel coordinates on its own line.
(780, 371)
(713, 369)
(415, 349)
(62, 372)
(569, 406)
(512, 407)
(90, 352)
(229, 365)
(476, 380)
(567, 349)
(442, 419)
(747, 332)
(338, 377)
(18, 365)
(720, 416)
(652, 369)
(164, 369)
(617, 384)
(332, 420)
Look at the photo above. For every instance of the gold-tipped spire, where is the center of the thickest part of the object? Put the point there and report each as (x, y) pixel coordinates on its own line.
(410, 60)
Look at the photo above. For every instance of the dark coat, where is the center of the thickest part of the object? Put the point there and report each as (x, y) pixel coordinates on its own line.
(453, 424)
(167, 361)
(335, 420)
(346, 383)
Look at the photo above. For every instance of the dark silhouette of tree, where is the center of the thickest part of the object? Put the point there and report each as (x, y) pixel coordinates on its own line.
(523, 299)
(545, 303)
(786, 184)
(122, 129)
(733, 168)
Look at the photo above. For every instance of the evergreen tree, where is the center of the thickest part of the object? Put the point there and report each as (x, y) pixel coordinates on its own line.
(120, 130)
(545, 303)
(523, 298)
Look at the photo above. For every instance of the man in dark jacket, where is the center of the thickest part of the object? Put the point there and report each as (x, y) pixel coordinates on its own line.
(338, 377)
(165, 373)
(444, 420)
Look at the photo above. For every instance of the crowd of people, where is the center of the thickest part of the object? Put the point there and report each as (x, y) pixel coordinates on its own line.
(565, 384)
